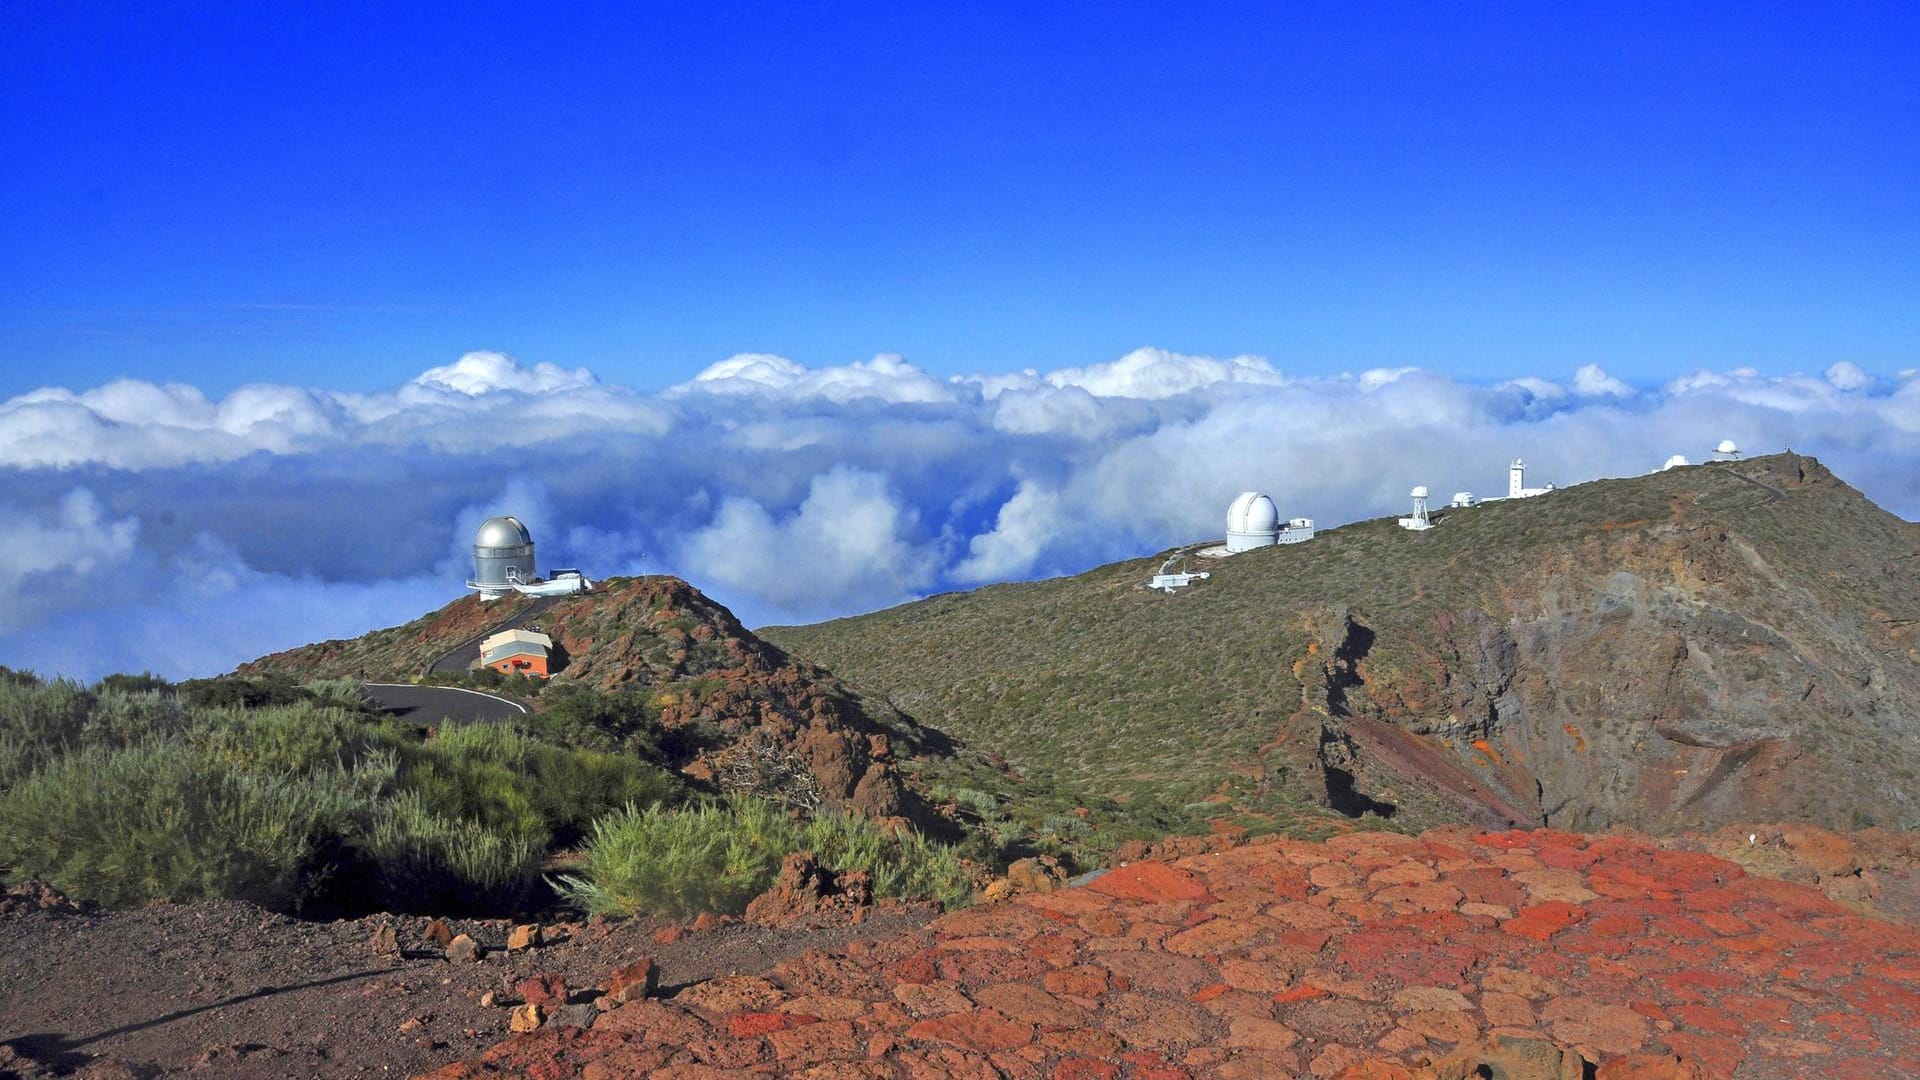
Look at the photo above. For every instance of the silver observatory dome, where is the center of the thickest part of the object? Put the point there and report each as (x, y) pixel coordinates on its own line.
(502, 552)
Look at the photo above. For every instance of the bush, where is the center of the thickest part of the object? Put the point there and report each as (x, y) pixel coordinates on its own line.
(168, 819)
(717, 856)
(38, 723)
(500, 777)
(125, 794)
(421, 861)
(578, 715)
(233, 692)
(677, 862)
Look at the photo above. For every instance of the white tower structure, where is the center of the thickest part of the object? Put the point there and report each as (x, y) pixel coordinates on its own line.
(1419, 519)
(1517, 482)
(1252, 521)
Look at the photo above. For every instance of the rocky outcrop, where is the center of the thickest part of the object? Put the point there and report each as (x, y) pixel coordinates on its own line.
(1672, 673)
(805, 893)
(1372, 956)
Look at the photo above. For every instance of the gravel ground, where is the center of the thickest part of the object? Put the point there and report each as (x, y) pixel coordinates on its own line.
(228, 990)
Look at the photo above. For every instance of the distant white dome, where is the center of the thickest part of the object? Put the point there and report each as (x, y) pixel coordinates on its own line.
(1676, 461)
(1420, 492)
(1252, 521)
(1252, 512)
(1726, 447)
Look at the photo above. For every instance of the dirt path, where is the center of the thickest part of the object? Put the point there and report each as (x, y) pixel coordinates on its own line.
(226, 990)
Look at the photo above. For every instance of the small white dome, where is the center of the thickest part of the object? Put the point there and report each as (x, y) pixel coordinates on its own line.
(1420, 492)
(1676, 461)
(1726, 447)
(1252, 512)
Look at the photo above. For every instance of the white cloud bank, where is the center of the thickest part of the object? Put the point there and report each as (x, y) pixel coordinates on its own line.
(146, 525)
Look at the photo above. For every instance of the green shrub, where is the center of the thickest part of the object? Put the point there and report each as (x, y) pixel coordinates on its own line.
(500, 777)
(676, 862)
(125, 795)
(623, 720)
(39, 722)
(141, 683)
(291, 738)
(717, 856)
(908, 867)
(227, 692)
(168, 819)
(421, 861)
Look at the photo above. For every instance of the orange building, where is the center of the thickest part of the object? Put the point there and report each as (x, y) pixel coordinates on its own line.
(517, 652)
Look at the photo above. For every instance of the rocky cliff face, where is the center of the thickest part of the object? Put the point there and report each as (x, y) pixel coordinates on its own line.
(780, 719)
(1748, 654)
(1725, 642)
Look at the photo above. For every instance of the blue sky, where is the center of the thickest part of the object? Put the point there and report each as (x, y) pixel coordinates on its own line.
(307, 196)
(828, 310)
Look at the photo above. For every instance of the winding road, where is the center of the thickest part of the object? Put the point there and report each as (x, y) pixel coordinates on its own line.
(442, 704)
(462, 656)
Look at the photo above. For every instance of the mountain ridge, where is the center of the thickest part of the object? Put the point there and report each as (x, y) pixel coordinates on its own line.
(1723, 642)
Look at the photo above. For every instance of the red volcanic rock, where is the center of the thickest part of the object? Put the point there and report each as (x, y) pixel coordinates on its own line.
(747, 1025)
(977, 1029)
(1542, 921)
(1205, 968)
(1152, 882)
(542, 990)
(804, 892)
(634, 981)
(1649, 1067)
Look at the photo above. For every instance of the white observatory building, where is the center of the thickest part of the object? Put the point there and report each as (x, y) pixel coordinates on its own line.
(1726, 451)
(1254, 521)
(1517, 482)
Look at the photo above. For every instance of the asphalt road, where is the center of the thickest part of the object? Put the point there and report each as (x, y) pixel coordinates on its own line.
(462, 656)
(442, 704)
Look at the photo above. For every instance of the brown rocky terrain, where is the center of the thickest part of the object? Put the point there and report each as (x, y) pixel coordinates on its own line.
(1679, 651)
(226, 991)
(693, 663)
(1372, 956)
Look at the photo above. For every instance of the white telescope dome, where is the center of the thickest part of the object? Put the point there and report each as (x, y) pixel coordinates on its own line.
(1675, 462)
(1420, 492)
(1253, 512)
(1252, 521)
(1726, 447)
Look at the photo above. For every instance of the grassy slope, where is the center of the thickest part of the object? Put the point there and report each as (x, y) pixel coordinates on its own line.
(1096, 682)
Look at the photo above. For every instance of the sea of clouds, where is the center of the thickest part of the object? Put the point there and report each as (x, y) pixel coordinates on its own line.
(149, 527)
